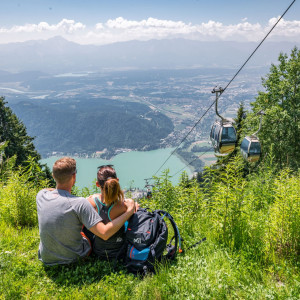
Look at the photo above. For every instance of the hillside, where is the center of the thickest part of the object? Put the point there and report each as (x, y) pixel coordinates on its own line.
(252, 248)
(90, 125)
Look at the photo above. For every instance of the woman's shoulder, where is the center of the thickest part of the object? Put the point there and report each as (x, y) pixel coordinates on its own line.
(120, 204)
(92, 198)
(118, 209)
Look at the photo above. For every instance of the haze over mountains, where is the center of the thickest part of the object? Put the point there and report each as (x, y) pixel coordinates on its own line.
(59, 55)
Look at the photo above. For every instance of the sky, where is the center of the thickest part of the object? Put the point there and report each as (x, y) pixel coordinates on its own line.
(107, 21)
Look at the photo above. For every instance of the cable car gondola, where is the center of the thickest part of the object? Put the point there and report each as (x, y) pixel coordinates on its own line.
(250, 146)
(223, 134)
(148, 186)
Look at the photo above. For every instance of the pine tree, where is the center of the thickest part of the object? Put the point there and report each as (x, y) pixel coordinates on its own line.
(13, 131)
(17, 145)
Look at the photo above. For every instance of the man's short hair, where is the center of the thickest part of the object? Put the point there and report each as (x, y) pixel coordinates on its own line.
(63, 169)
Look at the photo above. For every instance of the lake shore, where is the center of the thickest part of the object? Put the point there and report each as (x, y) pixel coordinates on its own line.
(132, 167)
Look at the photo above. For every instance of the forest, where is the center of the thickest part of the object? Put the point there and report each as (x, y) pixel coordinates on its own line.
(84, 125)
(248, 212)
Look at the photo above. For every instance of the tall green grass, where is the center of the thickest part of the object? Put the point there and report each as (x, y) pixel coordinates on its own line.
(17, 200)
(252, 250)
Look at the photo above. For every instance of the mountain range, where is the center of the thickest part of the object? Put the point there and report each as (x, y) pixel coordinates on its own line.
(59, 55)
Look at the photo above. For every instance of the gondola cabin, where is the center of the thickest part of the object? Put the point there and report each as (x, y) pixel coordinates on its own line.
(149, 194)
(251, 148)
(223, 136)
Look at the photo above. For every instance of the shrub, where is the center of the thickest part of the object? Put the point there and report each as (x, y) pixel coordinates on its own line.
(283, 235)
(17, 199)
(228, 207)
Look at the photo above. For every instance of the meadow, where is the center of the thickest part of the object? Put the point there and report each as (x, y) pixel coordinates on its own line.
(252, 226)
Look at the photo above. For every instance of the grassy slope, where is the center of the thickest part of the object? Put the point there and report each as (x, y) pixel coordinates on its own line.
(207, 271)
(252, 229)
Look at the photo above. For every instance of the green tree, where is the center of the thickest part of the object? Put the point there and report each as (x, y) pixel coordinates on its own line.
(17, 145)
(281, 103)
(13, 131)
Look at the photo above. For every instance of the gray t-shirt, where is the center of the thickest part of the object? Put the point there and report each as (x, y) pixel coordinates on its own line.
(60, 217)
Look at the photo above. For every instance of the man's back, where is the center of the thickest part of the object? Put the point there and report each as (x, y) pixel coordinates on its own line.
(61, 216)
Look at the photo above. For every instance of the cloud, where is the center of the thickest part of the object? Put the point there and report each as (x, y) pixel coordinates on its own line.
(121, 23)
(121, 29)
(65, 26)
(285, 28)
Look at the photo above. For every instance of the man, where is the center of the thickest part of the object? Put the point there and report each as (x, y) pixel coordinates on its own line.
(61, 217)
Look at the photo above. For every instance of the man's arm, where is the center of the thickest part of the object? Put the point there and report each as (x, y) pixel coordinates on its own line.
(105, 231)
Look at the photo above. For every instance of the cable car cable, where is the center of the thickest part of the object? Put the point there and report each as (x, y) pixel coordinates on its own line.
(184, 167)
(227, 85)
(192, 161)
(186, 136)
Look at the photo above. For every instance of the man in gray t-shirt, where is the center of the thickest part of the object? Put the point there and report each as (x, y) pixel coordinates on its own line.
(62, 215)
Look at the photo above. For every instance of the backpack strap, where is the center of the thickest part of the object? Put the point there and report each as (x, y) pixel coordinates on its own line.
(152, 252)
(177, 236)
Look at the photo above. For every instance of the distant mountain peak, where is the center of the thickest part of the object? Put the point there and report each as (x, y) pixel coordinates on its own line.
(60, 39)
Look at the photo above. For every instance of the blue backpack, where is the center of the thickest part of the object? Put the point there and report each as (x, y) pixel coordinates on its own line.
(146, 241)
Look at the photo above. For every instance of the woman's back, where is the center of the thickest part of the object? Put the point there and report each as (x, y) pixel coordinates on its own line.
(110, 248)
(109, 205)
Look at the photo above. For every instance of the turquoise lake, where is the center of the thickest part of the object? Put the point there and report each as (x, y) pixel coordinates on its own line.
(132, 167)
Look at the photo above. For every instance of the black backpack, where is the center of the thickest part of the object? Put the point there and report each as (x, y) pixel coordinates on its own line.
(146, 241)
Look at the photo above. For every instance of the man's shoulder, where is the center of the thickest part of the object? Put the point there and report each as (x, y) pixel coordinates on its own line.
(76, 198)
(82, 207)
(41, 192)
(78, 202)
(45, 191)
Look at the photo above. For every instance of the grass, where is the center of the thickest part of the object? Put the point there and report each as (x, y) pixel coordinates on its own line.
(204, 272)
(251, 252)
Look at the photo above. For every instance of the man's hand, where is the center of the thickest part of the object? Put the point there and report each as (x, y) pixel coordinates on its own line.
(129, 202)
(130, 205)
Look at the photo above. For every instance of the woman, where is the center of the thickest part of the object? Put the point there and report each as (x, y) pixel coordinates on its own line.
(109, 204)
